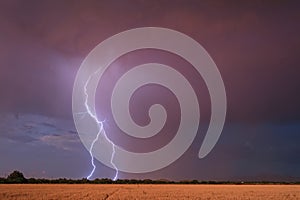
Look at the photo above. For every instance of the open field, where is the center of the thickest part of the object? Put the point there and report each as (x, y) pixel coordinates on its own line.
(87, 191)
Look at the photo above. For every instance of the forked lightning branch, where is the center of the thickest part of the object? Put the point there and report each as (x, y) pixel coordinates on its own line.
(90, 128)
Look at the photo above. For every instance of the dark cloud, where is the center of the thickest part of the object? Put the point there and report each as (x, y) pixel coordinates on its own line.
(255, 46)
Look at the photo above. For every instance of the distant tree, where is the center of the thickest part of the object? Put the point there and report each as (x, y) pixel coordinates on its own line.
(2, 180)
(16, 177)
(84, 180)
(31, 180)
(147, 181)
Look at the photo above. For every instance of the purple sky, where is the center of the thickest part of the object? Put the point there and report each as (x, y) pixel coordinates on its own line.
(255, 45)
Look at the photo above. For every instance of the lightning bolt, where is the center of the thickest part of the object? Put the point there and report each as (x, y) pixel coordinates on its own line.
(101, 130)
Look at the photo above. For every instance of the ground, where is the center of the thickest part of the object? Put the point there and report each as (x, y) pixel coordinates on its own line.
(87, 191)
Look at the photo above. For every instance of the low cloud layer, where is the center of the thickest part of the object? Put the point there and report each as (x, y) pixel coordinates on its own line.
(38, 130)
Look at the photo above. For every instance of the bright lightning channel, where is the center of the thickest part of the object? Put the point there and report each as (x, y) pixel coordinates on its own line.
(101, 130)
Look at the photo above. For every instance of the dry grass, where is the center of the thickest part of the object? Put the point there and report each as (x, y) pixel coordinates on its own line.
(40, 192)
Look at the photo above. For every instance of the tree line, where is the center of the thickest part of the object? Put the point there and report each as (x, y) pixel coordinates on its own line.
(17, 177)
